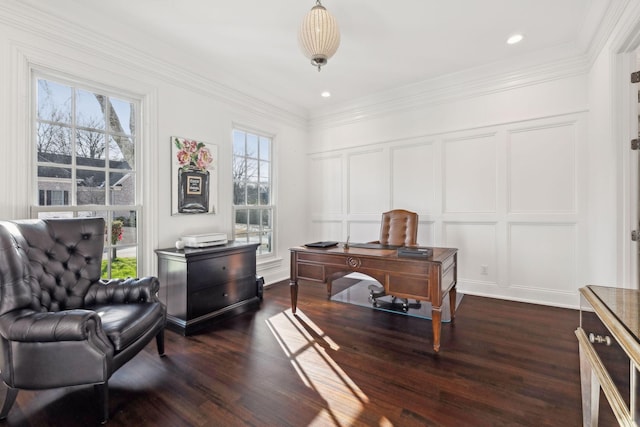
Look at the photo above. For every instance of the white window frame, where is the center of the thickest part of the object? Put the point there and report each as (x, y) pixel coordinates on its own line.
(73, 209)
(271, 207)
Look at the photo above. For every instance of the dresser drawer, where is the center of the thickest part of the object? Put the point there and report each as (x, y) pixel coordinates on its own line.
(214, 271)
(211, 299)
(609, 352)
(200, 285)
(615, 360)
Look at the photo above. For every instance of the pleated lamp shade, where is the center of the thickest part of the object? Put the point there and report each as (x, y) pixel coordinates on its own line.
(319, 36)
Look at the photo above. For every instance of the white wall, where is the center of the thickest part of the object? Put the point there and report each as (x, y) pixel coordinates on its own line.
(500, 176)
(529, 176)
(519, 169)
(613, 177)
(176, 101)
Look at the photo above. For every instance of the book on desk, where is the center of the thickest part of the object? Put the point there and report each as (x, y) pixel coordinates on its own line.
(415, 252)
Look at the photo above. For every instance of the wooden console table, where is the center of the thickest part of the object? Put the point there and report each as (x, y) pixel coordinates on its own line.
(428, 279)
(609, 343)
(198, 285)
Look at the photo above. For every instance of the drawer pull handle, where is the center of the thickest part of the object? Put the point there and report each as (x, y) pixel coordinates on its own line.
(599, 339)
(225, 294)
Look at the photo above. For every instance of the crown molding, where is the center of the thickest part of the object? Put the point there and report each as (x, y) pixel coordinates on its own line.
(560, 62)
(193, 76)
(470, 83)
(577, 59)
(615, 11)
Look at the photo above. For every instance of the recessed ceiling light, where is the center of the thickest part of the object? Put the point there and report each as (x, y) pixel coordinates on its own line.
(516, 38)
(325, 94)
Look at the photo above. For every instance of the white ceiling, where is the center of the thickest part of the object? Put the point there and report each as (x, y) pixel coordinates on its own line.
(384, 44)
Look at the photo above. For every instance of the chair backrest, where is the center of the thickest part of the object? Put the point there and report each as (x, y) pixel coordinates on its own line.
(399, 228)
(63, 257)
(15, 274)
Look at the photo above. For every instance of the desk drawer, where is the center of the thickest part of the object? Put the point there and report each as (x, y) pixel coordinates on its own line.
(407, 286)
(311, 271)
(448, 279)
(448, 263)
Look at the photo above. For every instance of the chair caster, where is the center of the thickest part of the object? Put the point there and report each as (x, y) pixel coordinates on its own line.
(375, 292)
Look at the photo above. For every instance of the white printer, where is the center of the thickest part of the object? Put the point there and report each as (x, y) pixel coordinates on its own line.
(204, 240)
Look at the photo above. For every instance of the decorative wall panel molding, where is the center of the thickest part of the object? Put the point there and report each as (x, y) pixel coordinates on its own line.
(364, 231)
(543, 169)
(462, 185)
(543, 256)
(327, 192)
(426, 232)
(368, 173)
(322, 230)
(470, 175)
(477, 245)
(413, 177)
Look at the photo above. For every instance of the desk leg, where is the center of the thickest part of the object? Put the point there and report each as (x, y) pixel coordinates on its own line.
(436, 320)
(452, 303)
(293, 286)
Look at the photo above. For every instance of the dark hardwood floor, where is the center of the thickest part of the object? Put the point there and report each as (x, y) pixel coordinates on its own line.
(502, 364)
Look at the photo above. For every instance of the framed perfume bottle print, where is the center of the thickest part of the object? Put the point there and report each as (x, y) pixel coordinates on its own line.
(193, 176)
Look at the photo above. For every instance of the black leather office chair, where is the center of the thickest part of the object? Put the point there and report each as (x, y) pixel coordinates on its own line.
(60, 325)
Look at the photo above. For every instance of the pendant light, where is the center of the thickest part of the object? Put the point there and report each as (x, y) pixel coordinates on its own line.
(319, 36)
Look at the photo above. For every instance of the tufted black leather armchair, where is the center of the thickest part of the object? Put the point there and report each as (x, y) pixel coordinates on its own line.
(60, 325)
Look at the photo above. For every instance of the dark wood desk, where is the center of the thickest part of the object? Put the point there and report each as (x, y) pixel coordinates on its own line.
(428, 279)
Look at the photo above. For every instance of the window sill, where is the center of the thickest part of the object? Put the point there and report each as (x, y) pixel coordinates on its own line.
(268, 263)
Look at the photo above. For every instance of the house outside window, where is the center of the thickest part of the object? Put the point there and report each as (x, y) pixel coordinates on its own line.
(253, 208)
(86, 150)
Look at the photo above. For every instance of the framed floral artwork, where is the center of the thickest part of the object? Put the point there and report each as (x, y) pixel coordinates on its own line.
(194, 178)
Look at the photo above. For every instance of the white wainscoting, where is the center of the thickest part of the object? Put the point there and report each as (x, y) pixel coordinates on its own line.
(542, 169)
(510, 197)
(327, 199)
(470, 174)
(368, 185)
(479, 244)
(414, 172)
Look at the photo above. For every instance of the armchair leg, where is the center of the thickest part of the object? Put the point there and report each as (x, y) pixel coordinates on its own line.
(9, 400)
(102, 393)
(160, 342)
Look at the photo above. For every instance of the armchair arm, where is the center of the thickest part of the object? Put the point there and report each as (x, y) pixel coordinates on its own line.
(120, 291)
(54, 349)
(67, 325)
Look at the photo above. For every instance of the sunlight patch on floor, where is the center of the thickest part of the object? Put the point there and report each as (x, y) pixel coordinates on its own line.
(309, 348)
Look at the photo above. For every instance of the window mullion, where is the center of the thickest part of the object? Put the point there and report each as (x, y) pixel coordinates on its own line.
(107, 135)
(74, 175)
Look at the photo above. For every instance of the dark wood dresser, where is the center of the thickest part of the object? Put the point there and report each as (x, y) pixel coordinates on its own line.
(199, 285)
(609, 342)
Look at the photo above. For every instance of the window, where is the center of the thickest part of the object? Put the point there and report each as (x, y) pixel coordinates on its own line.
(252, 190)
(53, 197)
(85, 165)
